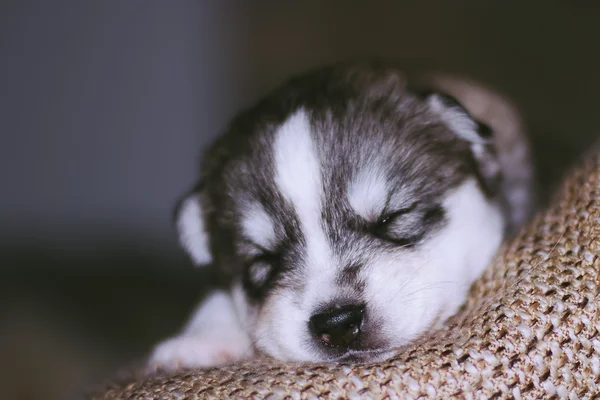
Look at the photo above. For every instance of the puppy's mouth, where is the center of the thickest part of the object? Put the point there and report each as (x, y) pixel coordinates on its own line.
(366, 356)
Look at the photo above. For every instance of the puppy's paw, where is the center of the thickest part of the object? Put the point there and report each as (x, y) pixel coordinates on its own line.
(185, 352)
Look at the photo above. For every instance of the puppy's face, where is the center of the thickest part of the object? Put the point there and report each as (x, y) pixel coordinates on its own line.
(351, 213)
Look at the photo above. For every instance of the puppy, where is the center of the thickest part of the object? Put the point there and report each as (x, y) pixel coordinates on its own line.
(350, 211)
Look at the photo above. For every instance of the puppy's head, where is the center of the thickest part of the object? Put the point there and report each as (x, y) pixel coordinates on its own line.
(351, 212)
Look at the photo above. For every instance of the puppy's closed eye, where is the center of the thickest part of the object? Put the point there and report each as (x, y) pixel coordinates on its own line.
(407, 226)
(259, 272)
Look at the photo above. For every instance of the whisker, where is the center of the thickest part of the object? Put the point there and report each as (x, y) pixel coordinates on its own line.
(403, 286)
(431, 286)
(406, 282)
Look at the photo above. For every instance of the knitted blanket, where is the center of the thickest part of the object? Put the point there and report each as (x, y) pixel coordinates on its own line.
(530, 329)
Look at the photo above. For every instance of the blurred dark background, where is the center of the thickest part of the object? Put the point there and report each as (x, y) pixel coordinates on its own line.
(104, 107)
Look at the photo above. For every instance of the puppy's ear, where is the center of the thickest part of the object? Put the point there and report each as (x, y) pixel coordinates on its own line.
(503, 146)
(458, 118)
(479, 135)
(190, 221)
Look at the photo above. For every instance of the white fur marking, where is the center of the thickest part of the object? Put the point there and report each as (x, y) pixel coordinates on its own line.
(298, 177)
(368, 193)
(258, 227)
(192, 233)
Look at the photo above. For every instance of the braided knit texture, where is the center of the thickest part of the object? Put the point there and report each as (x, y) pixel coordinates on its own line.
(530, 329)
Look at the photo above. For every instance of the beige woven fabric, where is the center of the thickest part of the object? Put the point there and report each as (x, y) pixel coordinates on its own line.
(530, 329)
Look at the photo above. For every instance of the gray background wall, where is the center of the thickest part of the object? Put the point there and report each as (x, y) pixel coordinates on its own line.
(105, 105)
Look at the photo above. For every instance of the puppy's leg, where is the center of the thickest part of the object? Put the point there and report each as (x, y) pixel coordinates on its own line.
(213, 337)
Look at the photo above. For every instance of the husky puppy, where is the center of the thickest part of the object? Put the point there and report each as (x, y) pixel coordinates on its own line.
(350, 210)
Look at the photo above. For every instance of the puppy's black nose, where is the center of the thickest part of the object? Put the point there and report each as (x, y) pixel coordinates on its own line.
(338, 327)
